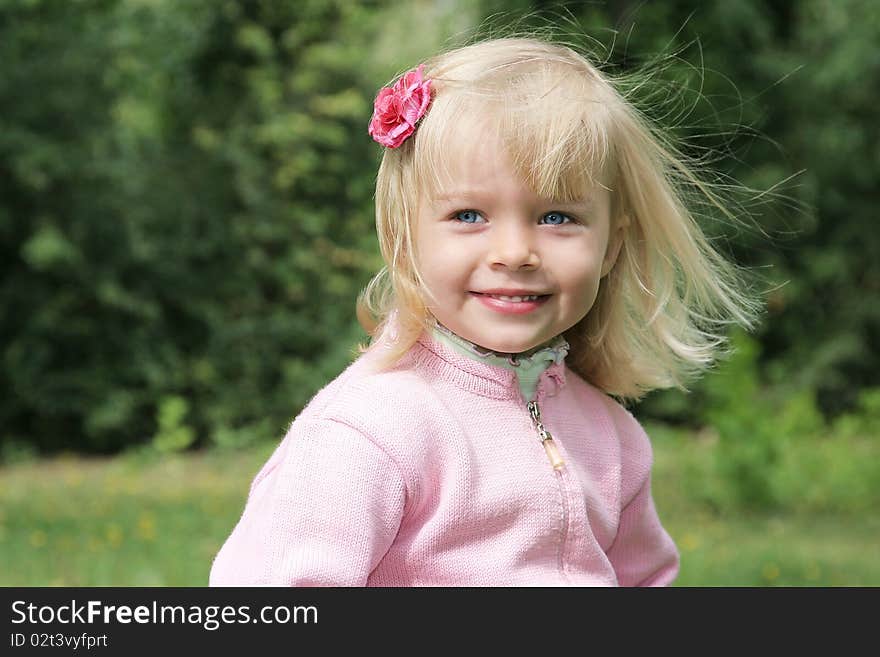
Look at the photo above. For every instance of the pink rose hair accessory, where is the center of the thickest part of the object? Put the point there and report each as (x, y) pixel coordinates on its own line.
(397, 109)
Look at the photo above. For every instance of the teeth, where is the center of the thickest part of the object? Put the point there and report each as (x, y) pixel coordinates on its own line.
(532, 297)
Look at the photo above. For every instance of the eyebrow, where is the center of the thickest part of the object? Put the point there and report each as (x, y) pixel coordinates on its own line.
(476, 193)
(468, 193)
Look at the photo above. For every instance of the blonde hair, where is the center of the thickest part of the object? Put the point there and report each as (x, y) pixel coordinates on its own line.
(660, 311)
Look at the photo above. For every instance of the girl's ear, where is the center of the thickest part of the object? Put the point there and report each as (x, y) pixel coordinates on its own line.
(615, 241)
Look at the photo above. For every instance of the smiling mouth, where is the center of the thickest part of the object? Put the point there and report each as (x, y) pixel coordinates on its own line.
(515, 299)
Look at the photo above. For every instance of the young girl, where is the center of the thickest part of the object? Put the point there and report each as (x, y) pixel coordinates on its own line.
(540, 259)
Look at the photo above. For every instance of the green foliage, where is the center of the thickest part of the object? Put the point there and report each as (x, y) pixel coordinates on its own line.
(173, 435)
(864, 420)
(763, 450)
(748, 453)
(185, 215)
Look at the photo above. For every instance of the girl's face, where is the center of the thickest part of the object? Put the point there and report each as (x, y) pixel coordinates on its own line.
(487, 245)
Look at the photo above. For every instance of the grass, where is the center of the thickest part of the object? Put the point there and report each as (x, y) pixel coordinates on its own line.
(775, 550)
(126, 521)
(146, 520)
(736, 547)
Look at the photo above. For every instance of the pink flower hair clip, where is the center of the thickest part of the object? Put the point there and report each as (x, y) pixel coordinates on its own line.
(397, 109)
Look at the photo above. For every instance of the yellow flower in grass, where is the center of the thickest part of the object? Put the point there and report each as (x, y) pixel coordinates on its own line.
(113, 485)
(38, 538)
(146, 527)
(114, 535)
(690, 542)
(770, 572)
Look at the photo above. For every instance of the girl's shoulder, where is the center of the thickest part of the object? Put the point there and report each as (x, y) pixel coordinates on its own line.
(395, 411)
(618, 421)
(373, 401)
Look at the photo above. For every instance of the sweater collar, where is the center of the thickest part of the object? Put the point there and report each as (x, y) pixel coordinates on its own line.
(532, 374)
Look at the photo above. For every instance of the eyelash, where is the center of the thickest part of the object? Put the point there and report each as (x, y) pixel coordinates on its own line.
(571, 220)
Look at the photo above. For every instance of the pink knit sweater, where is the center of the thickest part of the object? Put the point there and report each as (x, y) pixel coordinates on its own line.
(433, 474)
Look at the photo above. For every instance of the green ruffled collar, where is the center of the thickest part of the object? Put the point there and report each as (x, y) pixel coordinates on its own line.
(528, 365)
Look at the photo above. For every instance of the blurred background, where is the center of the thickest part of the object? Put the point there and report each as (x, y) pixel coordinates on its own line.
(186, 220)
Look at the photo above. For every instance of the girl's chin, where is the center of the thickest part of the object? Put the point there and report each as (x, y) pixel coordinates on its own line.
(496, 340)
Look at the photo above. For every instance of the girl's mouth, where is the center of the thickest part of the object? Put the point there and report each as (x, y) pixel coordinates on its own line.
(510, 304)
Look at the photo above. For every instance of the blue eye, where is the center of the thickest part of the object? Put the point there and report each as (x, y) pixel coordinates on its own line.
(468, 216)
(556, 219)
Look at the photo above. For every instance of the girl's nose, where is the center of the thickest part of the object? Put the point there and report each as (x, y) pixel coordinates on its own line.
(513, 247)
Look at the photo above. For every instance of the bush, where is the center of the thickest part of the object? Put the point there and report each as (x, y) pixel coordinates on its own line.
(185, 217)
(771, 449)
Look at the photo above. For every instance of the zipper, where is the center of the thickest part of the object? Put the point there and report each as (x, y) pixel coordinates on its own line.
(559, 469)
(545, 437)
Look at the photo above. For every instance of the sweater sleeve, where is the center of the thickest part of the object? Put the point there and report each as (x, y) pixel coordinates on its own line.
(643, 553)
(323, 511)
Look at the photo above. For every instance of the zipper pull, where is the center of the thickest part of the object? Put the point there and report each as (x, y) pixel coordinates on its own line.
(546, 439)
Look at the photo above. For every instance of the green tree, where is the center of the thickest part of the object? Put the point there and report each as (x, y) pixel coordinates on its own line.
(186, 213)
